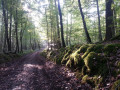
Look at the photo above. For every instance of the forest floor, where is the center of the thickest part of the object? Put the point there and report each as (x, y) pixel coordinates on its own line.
(34, 72)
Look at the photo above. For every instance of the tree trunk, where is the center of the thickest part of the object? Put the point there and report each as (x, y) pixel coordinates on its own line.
(58, 31)
(84, 23)
(109, 20)
(67, 31)
(61, 23)
(70, 32)
(47, 27)
(10, 30)
(115, 20)
(5, 16)
(1, 35)
(99, 25)
(21, 35)
(16, 31)
(51, 29)
(31, 41)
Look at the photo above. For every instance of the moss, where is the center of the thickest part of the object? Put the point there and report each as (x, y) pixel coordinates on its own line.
(78, 74)
(98, 48)
(91, 61)
(58, 58)
(111, 48)
(82, 49)
(84, 70)
(116, 85)
(51, 54)
(118, 64)
(93, 48)
(103, 70)
(7, 57)
(95, 81)
(66, 57)
(62, 49)
(75, 60)
(70, 63)
(85, 78)
(96, 64)
(76, 46)
(85, 54)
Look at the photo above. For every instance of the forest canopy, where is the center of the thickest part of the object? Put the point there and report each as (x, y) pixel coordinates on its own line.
(27, 24)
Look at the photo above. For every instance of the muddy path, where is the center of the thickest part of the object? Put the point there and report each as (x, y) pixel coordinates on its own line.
(34, 72)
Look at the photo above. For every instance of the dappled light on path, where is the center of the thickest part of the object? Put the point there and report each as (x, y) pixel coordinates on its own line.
(32, 66)
(33, 72)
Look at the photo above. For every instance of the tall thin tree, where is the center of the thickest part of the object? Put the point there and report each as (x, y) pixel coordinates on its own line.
(84, 23)
(99, 25)
(61, 23)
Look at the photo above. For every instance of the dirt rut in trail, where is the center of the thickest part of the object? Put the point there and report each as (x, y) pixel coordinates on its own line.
(33, 72)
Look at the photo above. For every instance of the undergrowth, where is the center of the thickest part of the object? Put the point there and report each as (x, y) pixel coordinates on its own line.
(10, 56)
(91, 60)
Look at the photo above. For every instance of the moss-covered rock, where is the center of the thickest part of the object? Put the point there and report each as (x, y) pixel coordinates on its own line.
(91, 61)
(96, 64)
(51, 54)
(58, 58)
(76, 46)
(84, 70)
(93, 48)
(116, 85)
(66, 57)
(95, 81)
(111, 48)
(85, 78)
(82, 49)
(75, 60)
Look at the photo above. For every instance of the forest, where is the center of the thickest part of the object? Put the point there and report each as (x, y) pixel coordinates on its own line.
(60, 44)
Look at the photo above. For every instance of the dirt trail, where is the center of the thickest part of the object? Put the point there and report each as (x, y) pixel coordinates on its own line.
(33, 72)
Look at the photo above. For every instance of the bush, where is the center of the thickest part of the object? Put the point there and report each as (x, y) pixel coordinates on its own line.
(7, 57)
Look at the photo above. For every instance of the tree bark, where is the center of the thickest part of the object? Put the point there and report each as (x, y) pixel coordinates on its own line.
(16, 31)
(47, 27)
(70, 32)
(51, 30)
(84, 23)
(99, 25)
(109, 20)
(67, 31)
(61, 23)
(5, 16)
(58, 31)
(10, 30)
(115, 20)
